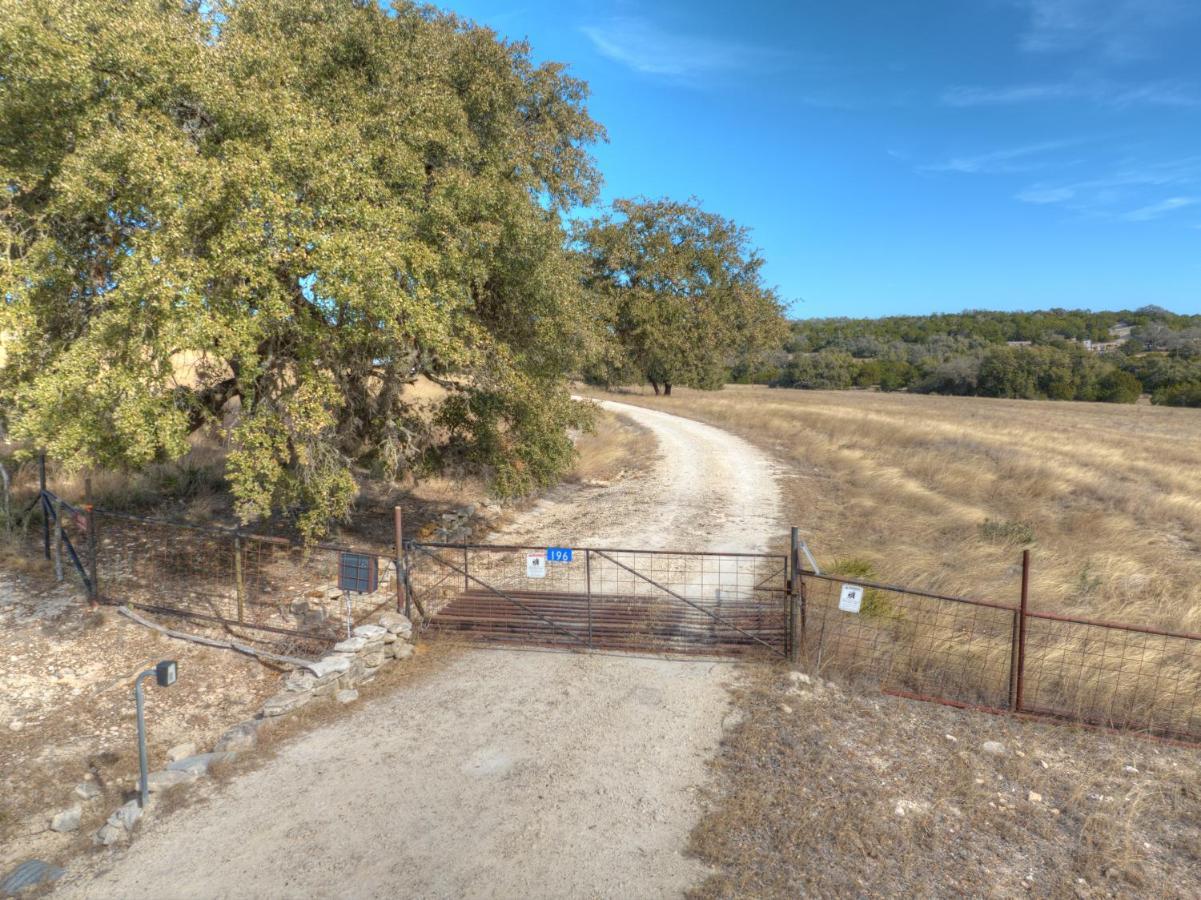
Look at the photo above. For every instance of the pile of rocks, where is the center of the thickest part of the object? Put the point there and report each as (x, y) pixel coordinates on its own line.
(353, 661)
(456, 526)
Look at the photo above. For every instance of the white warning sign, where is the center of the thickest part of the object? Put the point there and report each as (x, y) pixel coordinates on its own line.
(851, 598)
(535, 565)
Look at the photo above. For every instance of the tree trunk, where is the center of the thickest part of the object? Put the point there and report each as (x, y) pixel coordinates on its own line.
(655, 385)
(667, 389)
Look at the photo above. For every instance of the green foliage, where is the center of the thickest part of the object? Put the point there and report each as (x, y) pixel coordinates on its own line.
(1186, 394)
(316, 202)
(681, 289)
(875, 603)
(969, 354)
(820, 371)
(1006, 532)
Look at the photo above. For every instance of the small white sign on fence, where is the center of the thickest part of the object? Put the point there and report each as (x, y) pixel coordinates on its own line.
(851, 598)
(535, 565)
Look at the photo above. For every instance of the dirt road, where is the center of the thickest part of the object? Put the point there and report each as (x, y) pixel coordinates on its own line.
(507, 773)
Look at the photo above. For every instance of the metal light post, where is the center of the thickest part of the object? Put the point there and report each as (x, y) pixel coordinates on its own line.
(164, 674)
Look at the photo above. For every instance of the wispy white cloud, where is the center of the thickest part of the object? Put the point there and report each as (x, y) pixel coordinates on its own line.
(1162, 208)
(1044, 196)
(645, 47)
(1103, 93)
(1116, 30)
(1010, 160)
(1126, 193)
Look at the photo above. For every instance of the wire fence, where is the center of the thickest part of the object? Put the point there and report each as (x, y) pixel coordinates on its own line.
(1002, 657)
(957, 650)
(267, 589)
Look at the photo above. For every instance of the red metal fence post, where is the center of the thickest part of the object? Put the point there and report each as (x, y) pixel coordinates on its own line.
(588, 577)
(1020, 668)
(795, 612)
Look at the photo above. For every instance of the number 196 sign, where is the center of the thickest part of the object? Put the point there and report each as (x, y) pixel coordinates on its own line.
(558, 554)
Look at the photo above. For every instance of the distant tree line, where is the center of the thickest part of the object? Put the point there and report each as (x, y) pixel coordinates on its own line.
(1027, 355)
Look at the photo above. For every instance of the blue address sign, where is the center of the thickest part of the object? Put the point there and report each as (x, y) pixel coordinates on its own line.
(558, 554)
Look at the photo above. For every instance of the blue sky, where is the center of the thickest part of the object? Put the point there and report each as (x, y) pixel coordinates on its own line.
(908, 157)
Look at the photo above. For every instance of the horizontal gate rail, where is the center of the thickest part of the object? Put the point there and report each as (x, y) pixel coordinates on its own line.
(697, 606)
(467, 575)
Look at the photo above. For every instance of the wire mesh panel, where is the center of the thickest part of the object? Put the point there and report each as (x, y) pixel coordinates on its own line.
(912, 642)
(1113, 675)
(274, 592)
(615, 599)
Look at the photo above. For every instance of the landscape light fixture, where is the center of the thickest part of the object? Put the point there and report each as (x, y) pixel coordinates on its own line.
(164, 674)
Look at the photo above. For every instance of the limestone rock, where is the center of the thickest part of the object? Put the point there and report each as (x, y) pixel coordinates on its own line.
(993, 748)
(86, 790)
(109, 835)
(372, 660)
(402, 650)
(179, 751)
(347, 695)
(350, 645)
(126, 816)
(329, 666)
(199, 764)
(370, 632)
(299, 680)
(242, 736)
(68, 819)
(799, 678)
(169, 778)
(284, 703)
(396, 623)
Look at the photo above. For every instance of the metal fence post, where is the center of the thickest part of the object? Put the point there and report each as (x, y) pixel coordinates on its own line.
(58, 539)
(45, 503)
(1020, 648)
(398, 529)
(239, 578)
(588, 578)
(796, 612)
(93, 563)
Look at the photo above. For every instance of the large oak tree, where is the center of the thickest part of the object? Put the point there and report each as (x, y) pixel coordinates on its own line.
(316, 201)
(683, 291)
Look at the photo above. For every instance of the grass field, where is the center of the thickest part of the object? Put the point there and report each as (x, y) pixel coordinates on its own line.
(848, 793)
(944, 493)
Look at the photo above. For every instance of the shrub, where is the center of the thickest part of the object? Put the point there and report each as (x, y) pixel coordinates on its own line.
(876, 603)
(1007, 532)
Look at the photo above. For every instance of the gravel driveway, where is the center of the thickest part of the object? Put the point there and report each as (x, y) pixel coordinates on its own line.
(508, 773)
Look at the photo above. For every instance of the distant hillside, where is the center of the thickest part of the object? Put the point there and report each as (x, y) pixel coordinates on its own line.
(1054, 354)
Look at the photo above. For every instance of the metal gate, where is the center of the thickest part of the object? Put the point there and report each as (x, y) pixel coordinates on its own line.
(600, 598)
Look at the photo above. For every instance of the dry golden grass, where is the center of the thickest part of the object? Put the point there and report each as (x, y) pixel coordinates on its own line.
(1111, 493)
(826, 793)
